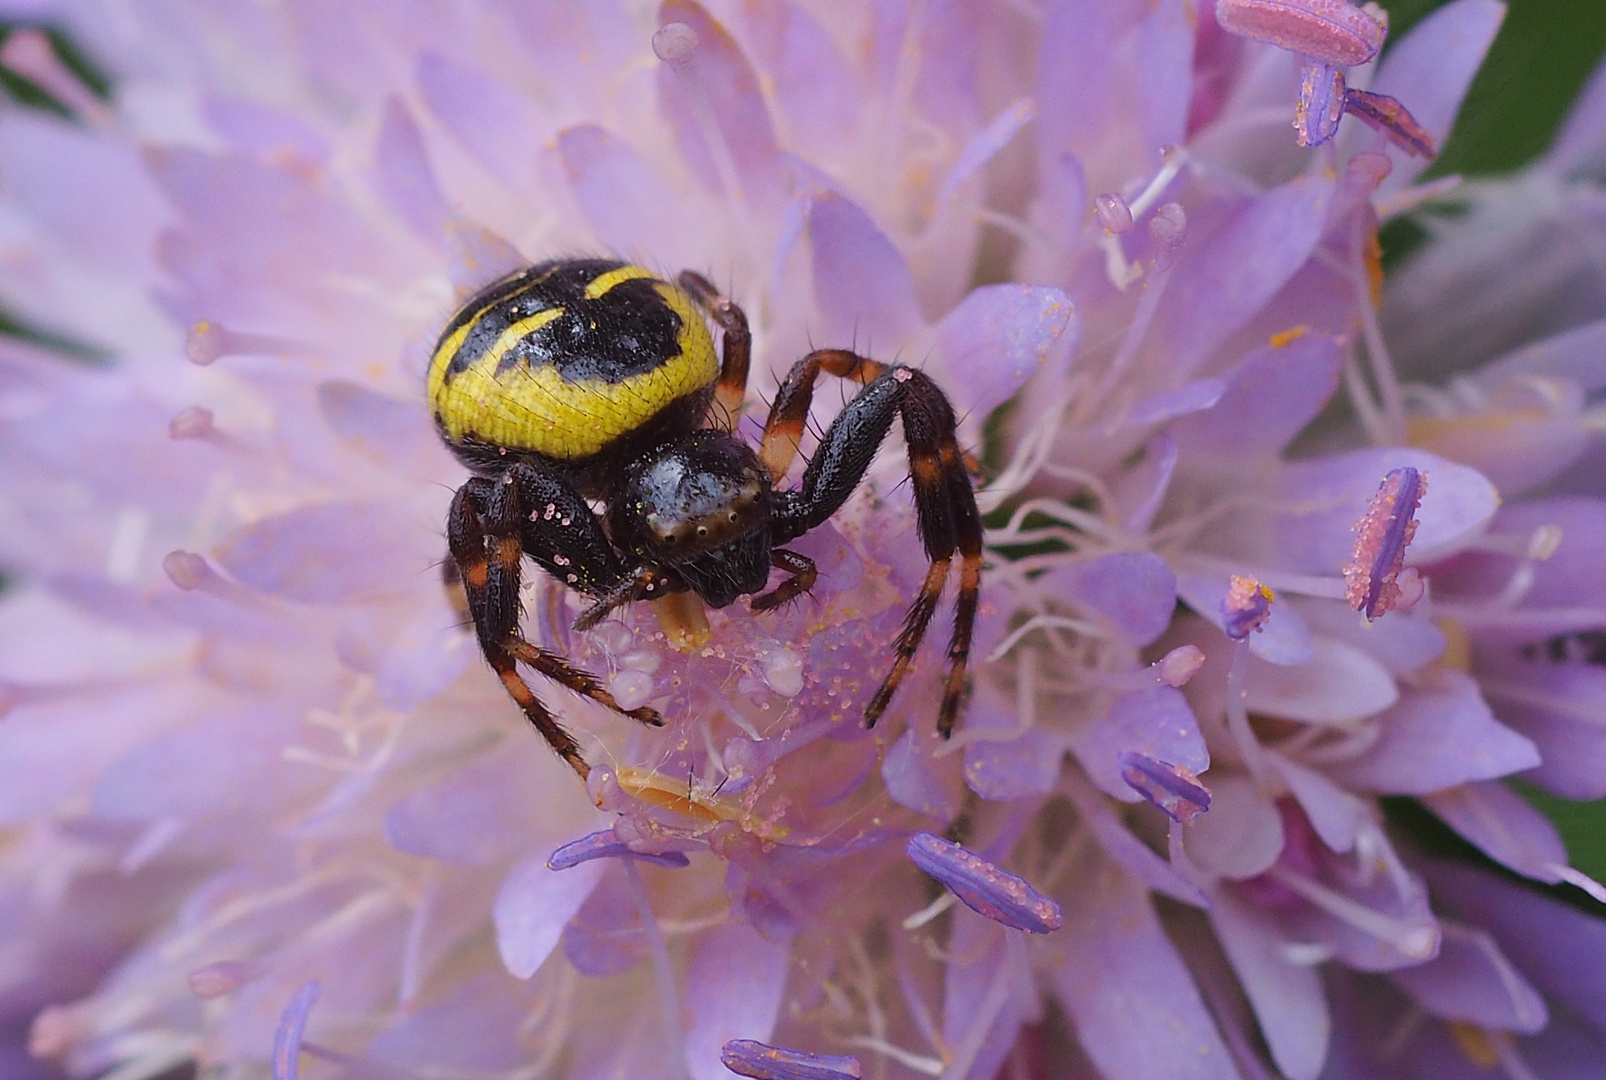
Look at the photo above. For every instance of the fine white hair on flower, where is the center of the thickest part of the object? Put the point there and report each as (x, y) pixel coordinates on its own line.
(265, 810)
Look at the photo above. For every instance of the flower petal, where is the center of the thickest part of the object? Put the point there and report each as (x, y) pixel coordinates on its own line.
(533, 905)
(861, 281)
(733, 991)
(1286, 996)
(996, 338)
(1137, 1012)
(1434, 739)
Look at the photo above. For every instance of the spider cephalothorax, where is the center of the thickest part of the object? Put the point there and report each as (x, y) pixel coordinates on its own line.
(592, 379)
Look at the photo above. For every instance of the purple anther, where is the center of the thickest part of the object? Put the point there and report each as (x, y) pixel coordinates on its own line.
(1112, 212)
(986, 889)
(1332, 30)
(1245, 608)
(1321, 103)
(1392, 119)
(292, 1025)
(1381, 537)
(1172, 788)
(1179, 665)
(761, 1061)
(605, 844)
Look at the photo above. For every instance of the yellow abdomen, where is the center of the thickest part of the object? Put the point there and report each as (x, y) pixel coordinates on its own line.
(563, 358)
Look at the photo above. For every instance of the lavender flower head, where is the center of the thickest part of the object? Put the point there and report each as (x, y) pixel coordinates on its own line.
(270, 814)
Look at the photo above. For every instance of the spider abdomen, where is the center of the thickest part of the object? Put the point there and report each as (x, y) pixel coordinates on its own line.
(565, 359)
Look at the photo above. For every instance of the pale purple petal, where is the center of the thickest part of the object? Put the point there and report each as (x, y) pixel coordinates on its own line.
(1137, 1012)
(493, 122)
(627, 204)
(405, 178)
(713, 79)
(986, 995)
(263, 130)
(1243, 833)
(1224, 278)
(1193, 397)
(1332, 492)
(862, 285)
(812, 86)
(1430, 68)
(1286, 996)
(1163, 45)
(985, 888)
(1400, 642)
(532, 907)
(474, 1028)
(747, 1057)
(1334, 813)
(383, 427)
(1156, 721)
(1135, 592)
(1436, 738)
(1573, 355)
(1557, 705)
(733, 991)
(1580, 145)
(426, 655)
(1504, 826)
(1472, 981)
(479, 815)
(1561, 950)
(996, 338)
(1013, 769)
(931, 786)
(326, 554)
(1133, 855)
(1339, 685)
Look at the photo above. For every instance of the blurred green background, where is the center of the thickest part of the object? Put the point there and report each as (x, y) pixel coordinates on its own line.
(1545, 53)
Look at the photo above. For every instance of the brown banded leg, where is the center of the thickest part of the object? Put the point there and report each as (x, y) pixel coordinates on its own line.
(731, 389)
(483, 537)
(945, 502)
(803, 572)
(783, 431)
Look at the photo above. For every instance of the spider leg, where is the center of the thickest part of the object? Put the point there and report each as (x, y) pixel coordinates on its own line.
(731, 389)
(801, 567)
(783, 431)
(945, 503)
(487, 530)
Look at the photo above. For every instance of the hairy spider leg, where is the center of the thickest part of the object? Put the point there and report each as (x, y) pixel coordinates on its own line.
(493, 523)
(803, 572)
(945, 502)
(730, 391)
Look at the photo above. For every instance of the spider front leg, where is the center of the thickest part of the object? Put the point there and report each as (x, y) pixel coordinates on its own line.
(945, 503)
(492, 525)
(731, 389)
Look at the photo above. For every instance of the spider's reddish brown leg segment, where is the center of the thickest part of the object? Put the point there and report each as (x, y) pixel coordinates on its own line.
(945, 503)
(487, 530)
(731, 389)
(801, 567)
(783, 432)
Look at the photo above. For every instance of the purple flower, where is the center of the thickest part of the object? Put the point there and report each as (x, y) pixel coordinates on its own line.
(251, 757)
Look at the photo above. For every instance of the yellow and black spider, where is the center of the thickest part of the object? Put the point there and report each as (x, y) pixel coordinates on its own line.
(586, 379)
